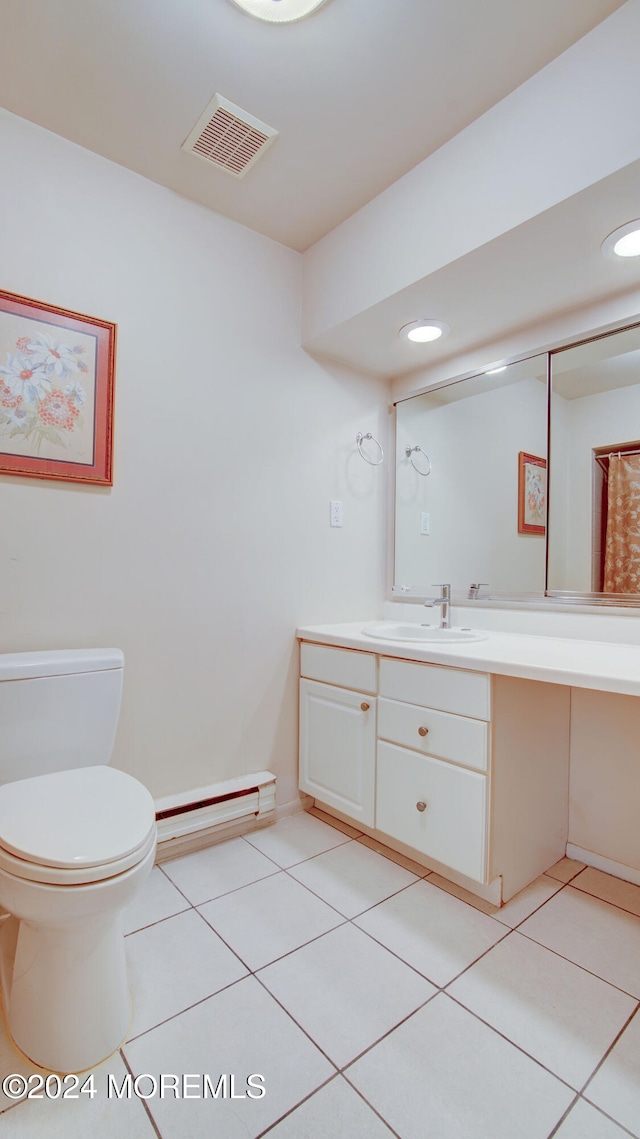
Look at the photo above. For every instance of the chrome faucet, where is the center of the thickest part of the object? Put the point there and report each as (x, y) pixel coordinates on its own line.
(444, 601)
(474, 590)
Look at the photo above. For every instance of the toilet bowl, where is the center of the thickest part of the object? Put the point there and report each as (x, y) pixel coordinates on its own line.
(75, 845)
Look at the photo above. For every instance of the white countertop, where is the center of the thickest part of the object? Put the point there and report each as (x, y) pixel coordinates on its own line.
(602, 665)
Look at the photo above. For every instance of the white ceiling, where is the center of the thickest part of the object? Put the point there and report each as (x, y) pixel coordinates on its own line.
(360, 92)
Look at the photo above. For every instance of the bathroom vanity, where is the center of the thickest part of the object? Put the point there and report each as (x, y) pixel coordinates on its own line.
(461, 755)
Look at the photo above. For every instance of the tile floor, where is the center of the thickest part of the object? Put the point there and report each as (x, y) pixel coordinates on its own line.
(372, 997)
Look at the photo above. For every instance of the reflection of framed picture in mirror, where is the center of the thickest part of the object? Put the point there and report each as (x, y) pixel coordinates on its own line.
(532, 494)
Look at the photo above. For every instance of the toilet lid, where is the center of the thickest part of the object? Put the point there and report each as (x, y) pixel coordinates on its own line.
(85, 817)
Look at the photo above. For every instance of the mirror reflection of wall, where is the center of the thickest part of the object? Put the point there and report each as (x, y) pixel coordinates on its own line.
(473, 432)
(594, 494)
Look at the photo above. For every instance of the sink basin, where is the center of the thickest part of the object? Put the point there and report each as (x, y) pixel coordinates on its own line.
(391, 631)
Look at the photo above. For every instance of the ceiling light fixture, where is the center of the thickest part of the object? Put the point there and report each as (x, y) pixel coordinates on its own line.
(624, 241)
(279, 11)
(422, 331)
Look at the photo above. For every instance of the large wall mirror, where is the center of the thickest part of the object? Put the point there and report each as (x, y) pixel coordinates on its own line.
(594, 469)
(471, 478)
(469, 507)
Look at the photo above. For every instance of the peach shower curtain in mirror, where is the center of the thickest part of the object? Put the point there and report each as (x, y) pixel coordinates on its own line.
(622, 552)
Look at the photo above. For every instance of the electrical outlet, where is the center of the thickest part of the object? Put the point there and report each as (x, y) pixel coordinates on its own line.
(425, 523)
(336, 513)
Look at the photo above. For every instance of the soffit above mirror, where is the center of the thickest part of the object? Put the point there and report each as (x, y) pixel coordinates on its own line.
(546, 266)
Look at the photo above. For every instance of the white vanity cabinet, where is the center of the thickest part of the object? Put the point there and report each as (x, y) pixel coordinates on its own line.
(432, 779)
(465, 770)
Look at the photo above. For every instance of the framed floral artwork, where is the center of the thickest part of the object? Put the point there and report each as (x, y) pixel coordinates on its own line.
(532, 494)
(56, 392)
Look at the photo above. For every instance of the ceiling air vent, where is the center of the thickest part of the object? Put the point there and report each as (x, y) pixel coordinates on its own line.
(228, 137)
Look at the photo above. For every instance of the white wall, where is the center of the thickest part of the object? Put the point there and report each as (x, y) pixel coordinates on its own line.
(471, 494)
(214, 541)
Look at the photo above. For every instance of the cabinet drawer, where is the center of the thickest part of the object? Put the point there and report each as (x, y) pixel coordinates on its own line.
(344, 667)
(434, 686)
(452, 828)
(455, 738)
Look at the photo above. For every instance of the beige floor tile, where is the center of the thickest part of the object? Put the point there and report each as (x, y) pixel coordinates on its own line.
(591, 933)
(263, 921)
(296, 838)
(331, 821)
(352, 878)
(464, 895)
(157, 899)
(336, 1110)
(620, 893)
(216, 870)
(616, 1086)
(558, 1013)
(443, 1073)
(585, 1122)
(429, 929)
(241, 1032)
(528, 900)
(395, 856)
(345, 991)
(565, 869)
(174, 964)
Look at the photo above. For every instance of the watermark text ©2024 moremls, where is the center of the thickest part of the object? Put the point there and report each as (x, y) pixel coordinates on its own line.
(166, 1085)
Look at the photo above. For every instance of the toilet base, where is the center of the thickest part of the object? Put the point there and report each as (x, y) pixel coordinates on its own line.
(64, 976)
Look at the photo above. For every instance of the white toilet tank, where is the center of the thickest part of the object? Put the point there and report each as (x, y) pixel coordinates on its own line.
(58, 710)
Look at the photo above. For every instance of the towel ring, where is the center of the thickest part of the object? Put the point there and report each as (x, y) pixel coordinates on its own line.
(371, 462)
(409, 452)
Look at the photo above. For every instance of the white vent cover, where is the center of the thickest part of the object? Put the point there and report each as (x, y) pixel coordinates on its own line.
(228, 137)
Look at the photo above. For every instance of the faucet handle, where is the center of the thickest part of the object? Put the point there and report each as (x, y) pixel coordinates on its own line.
(444, 586)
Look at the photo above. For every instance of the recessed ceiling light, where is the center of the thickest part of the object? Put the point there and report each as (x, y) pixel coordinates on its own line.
(494, 371)
(279, 11)
(421, 331)
(624, 241)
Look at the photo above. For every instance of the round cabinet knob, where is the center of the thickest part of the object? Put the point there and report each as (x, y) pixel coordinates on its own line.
(421, 806)
(364, 706)
(423, 731)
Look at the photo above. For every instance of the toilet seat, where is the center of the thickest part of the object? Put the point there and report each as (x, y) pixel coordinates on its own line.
(73, 827)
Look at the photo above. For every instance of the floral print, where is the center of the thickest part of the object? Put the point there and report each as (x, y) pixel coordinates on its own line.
(622, 550)
(33, 404)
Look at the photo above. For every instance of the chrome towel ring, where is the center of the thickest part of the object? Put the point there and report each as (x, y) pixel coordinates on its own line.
(359, 439)
(410, 451)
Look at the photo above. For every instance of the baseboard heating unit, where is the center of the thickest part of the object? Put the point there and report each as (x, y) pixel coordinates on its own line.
(204, 815)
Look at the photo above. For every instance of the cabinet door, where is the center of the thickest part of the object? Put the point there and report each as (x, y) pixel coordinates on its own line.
(434, 807)
(337, 748)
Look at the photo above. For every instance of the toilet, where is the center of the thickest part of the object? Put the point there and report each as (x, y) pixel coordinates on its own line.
(77, 840)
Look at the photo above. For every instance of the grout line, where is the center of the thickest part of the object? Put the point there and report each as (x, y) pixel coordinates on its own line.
(309, 857)
(209, 996)
(609, 1050)
(292, 1017)
(554, 1130)
(597, 898)
(621, 1126)
(560, 1079)
(145, 1102)
(612, 985)
(288, 953)
(291, 1110)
